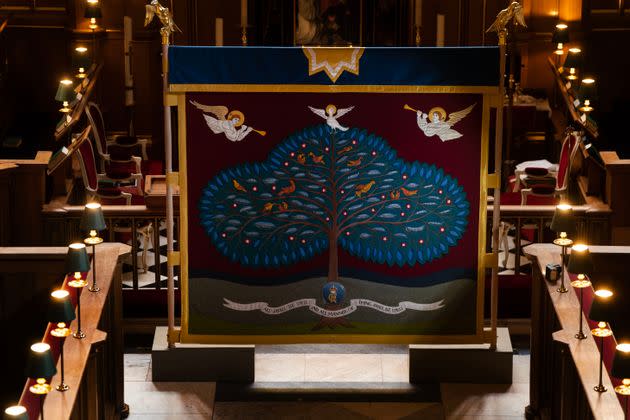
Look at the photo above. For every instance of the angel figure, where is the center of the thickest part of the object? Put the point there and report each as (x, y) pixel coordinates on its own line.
(229, 123)
(437, 124)
(330, 114)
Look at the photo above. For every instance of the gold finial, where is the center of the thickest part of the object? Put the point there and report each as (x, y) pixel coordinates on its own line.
(244, 36)
(165, 16)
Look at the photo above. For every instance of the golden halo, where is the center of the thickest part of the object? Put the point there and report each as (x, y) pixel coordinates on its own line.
(331, 109)
(441, 112)
(236, 114)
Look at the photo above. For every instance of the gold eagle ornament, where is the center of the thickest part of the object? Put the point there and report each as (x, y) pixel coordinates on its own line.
(513, 11)
(166, 18)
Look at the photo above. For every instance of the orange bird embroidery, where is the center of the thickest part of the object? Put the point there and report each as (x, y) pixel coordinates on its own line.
(238, 186)
(287, 190)
(407, 192)
(316, 159)
(363, 188)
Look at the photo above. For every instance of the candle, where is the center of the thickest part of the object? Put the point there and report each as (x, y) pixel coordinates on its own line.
(218, 32)
(127, 38)
(418, 13)
(243, 13)
(439, 37)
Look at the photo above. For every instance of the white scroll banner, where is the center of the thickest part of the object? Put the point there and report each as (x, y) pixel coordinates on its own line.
(312, 306)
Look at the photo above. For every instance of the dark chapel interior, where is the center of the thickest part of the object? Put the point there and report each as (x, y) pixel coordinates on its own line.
(83, 106)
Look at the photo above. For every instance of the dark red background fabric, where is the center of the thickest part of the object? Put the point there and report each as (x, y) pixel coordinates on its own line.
(281, 114)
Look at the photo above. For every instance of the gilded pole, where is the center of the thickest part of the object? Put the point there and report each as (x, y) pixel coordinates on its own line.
(513, 12)
(168, 27)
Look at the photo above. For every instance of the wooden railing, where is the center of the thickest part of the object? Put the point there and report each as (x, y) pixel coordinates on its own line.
(564, 370)
(137, 223)
(93, 365)
(593, 225)
(569, 97)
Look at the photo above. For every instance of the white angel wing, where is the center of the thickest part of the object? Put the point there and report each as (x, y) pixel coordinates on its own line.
(456, 117)
(218, 111)
(148, 14)
(343, 111)
(320, 112)
(214, 124)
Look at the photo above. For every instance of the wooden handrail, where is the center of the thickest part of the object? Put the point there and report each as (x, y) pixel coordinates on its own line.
(552, 310)
(77, 111)
(575, 117)
(95, 308)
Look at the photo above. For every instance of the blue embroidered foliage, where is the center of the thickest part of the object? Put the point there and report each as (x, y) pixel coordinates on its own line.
(321, 185)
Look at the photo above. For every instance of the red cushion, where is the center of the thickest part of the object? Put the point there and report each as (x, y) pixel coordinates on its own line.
(119, 170)
(543, 189)
(534, 171)
(514, 199)
(152, 167)
(126, 140)
(565, 155)
(86, 155)
(122, 152)
(111, 195)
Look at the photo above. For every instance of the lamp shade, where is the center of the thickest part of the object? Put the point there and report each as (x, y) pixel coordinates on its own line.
(60, 308)
(560, 35)
(93, 10)
(40, 363)
(574, 59)
(77, 259)
(65, 92)
(81, 57)
(580, 260)
(621, 362)
(587, 89)
(93, 218)
(16, 412)
(562, 220)
(602, 307)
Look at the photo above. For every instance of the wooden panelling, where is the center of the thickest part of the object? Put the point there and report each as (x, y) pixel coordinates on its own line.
(33, 48)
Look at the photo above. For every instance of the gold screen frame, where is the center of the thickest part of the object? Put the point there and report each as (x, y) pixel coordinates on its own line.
(490, 95)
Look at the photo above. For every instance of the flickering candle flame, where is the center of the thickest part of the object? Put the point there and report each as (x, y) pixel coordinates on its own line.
(624, 347)
(15, 410)
(60, 294)
(603, 293)
(40, 347)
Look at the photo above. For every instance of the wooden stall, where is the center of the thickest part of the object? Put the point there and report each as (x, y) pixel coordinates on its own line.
(94, 365)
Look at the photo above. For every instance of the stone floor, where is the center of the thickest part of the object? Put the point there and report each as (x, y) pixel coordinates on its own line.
(195, 400)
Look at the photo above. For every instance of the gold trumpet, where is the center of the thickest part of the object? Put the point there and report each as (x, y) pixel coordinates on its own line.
(262, 133)
(410, 108)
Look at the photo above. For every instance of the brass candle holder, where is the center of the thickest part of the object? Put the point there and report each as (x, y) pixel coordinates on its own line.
(621, 369)
(563, 224)
(60, 313)
(93, 221)
(602, 331)
(77, 261)
(39, 366)
(581, 263)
